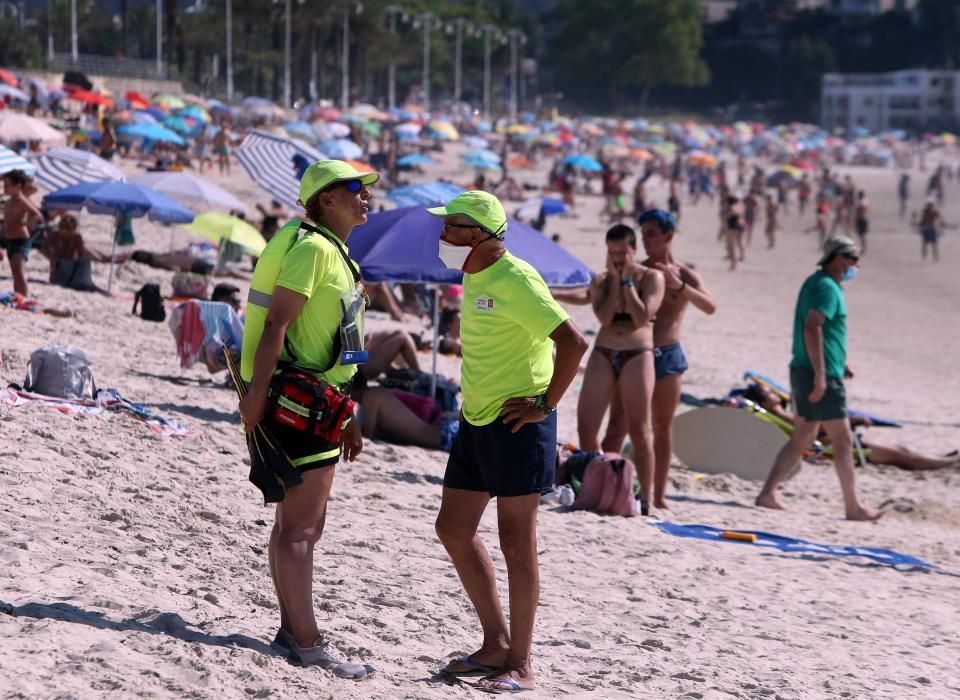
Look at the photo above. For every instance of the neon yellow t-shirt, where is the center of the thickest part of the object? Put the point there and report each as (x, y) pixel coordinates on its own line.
(315, 269)
(507, 317)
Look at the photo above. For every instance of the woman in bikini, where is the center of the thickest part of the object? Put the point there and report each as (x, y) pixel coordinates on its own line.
(625, 299)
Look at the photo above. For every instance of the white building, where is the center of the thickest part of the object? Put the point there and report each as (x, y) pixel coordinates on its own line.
(915, 100)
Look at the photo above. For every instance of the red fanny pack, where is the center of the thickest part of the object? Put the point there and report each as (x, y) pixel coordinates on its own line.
(303, 402)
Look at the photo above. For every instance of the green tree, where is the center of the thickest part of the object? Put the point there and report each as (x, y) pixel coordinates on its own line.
(940, 26)
(622, 44)
(18, 48)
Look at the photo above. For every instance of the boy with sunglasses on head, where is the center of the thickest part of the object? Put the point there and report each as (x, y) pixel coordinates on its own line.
(817, 372)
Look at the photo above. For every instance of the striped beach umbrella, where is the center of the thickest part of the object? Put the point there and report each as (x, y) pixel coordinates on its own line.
(61, 167)
(269, 161)
(11, 161)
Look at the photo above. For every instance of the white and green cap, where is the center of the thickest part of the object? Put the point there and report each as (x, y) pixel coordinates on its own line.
(482, 207)
(323, 173)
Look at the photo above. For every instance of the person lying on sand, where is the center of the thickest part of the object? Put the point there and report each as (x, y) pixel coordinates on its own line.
(875, 453)
(401, 417)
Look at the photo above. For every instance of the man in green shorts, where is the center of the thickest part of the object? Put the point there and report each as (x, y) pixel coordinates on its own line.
(19, 213)
(817, 372)
(506, 447)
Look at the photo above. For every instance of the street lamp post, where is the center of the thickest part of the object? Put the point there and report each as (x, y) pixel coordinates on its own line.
(459, 24)
(515, 36)
(430, 21)
(230, 50)
(489, 31)
(159, 38)
(392, 12)
(74, 50)
(286, 54)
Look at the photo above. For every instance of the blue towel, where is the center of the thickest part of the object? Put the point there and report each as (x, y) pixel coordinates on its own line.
(789, 544)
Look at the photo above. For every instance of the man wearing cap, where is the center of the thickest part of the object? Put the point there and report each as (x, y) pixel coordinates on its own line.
(817, 372)
(506, 447)
(294, 318)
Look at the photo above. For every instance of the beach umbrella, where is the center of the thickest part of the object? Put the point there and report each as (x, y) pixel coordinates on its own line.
(337, 130)
(189, 189)
(136, 100)
(9, 160)
(341, 148)
(583, 162)
(424, 194)
(143, 117)
(483, 154)
(401, 246)
(150, 132)
(301, 130)
(90, 98)
(177, 124)
(442, 131)
(62, 167)
(13, 93)
(269, 161)
(530, 209)
(115, 198)
(217, 227)
(481, 164)
(169, 102)
(475, 142)
(327, 114)
(195, 112)
(413, 160)
(16, 126)
(8, 77)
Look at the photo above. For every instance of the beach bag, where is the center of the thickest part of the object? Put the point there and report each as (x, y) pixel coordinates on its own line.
(151, 303)
(190, 285)
(62, 371)
(607, 486)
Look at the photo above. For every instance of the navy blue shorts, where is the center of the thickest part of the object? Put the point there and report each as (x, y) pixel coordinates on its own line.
(491, 458)
(669, 360)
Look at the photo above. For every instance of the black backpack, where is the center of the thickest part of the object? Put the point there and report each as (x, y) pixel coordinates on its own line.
(151, 303)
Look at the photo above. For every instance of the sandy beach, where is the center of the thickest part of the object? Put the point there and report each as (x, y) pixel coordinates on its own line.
(135, 565)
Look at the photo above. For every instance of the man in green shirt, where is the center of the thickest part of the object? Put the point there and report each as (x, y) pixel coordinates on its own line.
(817, 371)
(506, 447)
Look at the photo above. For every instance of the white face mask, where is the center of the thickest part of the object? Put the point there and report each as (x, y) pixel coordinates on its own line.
(454, 256)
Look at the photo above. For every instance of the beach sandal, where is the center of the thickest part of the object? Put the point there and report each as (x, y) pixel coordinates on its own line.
(476, 668)
(506, 685)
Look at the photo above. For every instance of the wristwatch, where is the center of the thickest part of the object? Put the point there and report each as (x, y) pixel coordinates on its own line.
(627, 282)
(540, 403)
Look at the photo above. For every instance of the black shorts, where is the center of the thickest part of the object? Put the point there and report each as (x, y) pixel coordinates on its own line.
(833, 404)
(863, 225)
(305, 451)
(16, 246)
(491, 458)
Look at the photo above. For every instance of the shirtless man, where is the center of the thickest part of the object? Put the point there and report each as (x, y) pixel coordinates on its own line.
(931, 224)
(683, 287)
(19, 214)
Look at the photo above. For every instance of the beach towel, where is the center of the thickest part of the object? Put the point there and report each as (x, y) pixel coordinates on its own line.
(19, 302)
(108, 403)
(887, 557)
(197, 324)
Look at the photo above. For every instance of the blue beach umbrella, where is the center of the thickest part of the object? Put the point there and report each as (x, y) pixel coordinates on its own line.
(414, 159)
(401, 246)
(424, 194)
(150, 132)
(583, 162)
(342, 149)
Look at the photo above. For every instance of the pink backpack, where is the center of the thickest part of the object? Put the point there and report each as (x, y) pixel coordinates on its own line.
(607, 486)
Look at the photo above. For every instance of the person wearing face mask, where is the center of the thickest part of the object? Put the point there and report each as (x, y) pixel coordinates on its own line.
(506, 444)
(304, 311)
(817, 372)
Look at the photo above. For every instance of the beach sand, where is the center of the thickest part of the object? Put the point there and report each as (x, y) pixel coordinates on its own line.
(134, 565)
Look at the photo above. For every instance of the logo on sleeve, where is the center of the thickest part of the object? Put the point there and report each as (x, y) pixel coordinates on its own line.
(484, 304)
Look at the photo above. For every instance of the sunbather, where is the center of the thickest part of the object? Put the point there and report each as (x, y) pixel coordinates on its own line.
(70, 257)
(875, 453)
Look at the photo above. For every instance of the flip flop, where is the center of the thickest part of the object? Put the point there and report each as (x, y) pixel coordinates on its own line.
(476, 668)
(508, 686)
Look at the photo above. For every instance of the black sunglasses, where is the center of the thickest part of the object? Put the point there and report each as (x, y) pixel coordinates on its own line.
(446, 226)
(851, 257)
(351, 185)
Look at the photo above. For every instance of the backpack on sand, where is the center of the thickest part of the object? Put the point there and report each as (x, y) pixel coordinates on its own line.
(62, 371)
(151, 303)
(607, 486)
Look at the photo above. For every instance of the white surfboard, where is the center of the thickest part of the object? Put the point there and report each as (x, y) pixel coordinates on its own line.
(721, 440)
